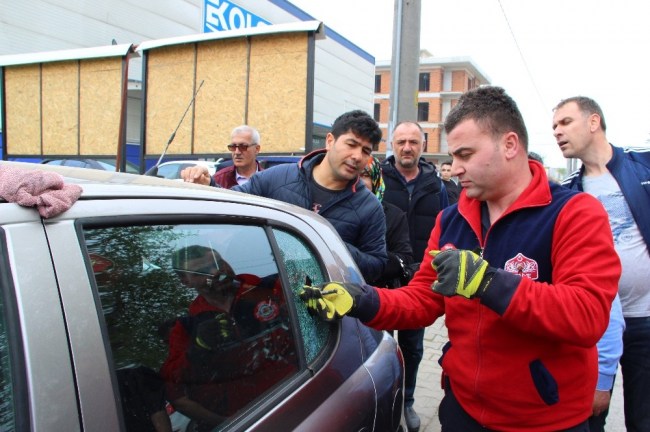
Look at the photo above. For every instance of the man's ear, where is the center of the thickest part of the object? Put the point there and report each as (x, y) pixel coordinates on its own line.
(594, 122)
(511, 144)
(329, 140)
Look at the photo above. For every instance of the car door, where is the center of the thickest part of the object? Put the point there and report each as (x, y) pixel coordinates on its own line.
(132, 300)
(37, 383)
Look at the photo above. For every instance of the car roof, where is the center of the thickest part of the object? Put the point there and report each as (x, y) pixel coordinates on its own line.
(109, 184)
(107, 164)
(190, 161)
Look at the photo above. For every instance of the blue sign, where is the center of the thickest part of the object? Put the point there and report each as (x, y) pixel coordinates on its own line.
(224, 15)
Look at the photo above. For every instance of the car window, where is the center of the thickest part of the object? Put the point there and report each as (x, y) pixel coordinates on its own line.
(169, 171)
(302, 264)
(76, 163)
(199, 317)
(7, 416)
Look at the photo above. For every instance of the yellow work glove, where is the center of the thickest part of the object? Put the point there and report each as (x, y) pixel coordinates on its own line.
(460, 272)
(330, 301)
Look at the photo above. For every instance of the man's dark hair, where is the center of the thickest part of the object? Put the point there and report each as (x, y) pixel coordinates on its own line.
(359, 123)
(181, 257)
(587, 106)
(534, 156)
(445, 162)
(492, 109)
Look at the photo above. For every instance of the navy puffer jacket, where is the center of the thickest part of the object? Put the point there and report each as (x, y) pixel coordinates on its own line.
(356, 213)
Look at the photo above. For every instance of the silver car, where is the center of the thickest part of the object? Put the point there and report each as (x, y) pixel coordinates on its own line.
(152, 304)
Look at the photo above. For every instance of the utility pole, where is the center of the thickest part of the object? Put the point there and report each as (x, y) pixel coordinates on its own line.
(405, 66)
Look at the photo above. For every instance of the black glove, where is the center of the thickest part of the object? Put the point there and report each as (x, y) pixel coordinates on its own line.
(332, 300)
(461, 272)
(216, 332)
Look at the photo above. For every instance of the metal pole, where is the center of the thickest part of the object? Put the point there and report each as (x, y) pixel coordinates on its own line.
(405, 66)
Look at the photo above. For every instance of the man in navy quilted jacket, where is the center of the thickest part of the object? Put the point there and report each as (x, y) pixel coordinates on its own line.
(327, 182)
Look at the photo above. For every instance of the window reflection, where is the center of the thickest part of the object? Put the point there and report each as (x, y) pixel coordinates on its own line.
(197, 320)
(6, 388)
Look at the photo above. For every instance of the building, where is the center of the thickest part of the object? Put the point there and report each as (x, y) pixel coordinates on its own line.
(340, 73)
(441, 82)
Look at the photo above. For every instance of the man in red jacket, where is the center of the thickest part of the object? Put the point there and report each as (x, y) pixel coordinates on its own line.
(231, 346)
(244, 147)
(524, 272)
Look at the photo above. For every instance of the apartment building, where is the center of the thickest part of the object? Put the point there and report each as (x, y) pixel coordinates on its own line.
(441, 82)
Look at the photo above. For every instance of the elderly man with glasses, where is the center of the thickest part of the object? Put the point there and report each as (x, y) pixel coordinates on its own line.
(244, 147)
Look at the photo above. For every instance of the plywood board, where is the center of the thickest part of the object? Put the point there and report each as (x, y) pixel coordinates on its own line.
(23, 109)
(221, 103)
(100, 105)
(277, 103)
(170, 87)
(60, 105)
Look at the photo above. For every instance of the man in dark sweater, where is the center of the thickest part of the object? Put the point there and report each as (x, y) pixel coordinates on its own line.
(413, 185)
(453, 190)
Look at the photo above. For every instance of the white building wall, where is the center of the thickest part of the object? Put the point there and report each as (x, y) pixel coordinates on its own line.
(48, 25)
(342, 82)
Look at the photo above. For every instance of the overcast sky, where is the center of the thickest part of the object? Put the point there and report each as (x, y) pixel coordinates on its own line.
(539, 51)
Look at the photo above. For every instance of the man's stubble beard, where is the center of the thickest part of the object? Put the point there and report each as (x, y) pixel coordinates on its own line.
(407, 164)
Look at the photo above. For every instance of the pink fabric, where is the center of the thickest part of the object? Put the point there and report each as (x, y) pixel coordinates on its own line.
(32, 188)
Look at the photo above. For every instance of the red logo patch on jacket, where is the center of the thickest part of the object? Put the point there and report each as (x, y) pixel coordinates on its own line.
(266, 311)
(522, 266)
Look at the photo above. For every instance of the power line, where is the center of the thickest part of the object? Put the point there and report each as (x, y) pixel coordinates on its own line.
(523, 59)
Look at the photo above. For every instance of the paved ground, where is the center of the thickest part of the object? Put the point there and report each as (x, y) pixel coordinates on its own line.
(428, 393)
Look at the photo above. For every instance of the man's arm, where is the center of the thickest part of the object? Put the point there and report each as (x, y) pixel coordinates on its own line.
(196, 411)
(610, 349)
(370, 255)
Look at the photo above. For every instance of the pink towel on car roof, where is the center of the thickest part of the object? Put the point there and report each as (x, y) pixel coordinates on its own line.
(32, 188)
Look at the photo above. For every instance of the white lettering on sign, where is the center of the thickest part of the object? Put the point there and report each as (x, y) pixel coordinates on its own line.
(223, 15)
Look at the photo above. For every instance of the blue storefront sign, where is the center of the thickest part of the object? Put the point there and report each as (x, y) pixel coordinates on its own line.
(224, 15)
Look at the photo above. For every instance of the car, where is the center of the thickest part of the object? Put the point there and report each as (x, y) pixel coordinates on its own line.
(266, 161)
(172, 169)
(105, 322)
(100, 164)
(269, 161)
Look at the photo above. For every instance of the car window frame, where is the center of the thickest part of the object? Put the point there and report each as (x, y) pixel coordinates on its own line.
(256, 410)
(11, 317)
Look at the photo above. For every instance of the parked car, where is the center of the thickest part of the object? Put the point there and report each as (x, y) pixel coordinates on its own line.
(100, 164)
(269, 161)
(105, 324)
(266, 161)
(172, 169)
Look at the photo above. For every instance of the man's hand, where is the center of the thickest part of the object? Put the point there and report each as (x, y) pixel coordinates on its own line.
(332, 300)
(460, 272)
(601, 402)
(196, 174)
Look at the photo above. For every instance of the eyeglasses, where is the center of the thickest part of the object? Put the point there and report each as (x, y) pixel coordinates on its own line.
(242, 147)
(209, 278)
